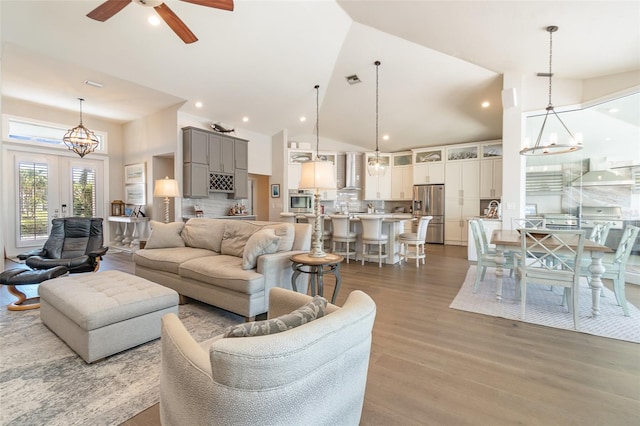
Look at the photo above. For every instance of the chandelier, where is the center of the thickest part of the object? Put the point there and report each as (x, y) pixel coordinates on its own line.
(81, 140)
(552, 147)
(375, 165)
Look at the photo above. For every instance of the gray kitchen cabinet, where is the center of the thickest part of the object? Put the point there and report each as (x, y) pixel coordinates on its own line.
(195, 180)
(241, 154)
(241, 189)
(195, 145)
(221, 154)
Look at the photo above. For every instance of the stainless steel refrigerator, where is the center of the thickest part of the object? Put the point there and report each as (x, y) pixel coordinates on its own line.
(428, 200)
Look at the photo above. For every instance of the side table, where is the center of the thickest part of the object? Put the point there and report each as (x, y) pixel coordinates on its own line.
(316, 267)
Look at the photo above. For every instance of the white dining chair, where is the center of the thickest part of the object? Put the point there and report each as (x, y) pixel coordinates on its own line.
(485, 259)
(372, 236)
(528, 222)
(615, 267)
(600, 232)
(550, 257)
(342, 234)
(416, 240)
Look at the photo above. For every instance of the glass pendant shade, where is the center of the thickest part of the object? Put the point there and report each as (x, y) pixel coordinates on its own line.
(81, 140)
(375, 166)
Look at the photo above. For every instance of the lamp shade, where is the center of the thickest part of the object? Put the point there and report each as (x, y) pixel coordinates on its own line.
(317, 174)
(166, 188)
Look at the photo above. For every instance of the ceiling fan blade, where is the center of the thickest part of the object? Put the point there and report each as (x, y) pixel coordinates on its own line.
(175, 23)
(218, 4)
(107, 9)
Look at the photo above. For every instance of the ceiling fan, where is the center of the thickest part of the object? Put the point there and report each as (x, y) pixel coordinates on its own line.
(110, 7)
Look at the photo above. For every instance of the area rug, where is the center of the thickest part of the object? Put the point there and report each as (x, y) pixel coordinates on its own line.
(43, 381)
(544, 307)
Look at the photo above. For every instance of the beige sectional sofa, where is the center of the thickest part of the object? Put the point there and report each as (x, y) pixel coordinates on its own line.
(227, 263)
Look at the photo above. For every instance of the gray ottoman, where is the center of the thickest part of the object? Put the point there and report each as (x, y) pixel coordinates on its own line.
(100, 314)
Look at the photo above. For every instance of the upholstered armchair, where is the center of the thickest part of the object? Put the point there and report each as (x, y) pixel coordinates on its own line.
(74, 242)
(312, 374)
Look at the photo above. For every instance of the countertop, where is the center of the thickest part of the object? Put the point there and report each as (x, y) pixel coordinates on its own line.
(238, 216)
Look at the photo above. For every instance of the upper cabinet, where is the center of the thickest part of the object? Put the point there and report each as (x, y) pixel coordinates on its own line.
(195, 145)
(428, 165)
(241, 154)
(221, 154)
(402, 176)
(491, 170)
(462, 152)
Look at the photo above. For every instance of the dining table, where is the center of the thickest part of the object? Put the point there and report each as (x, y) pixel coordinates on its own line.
(509, 239)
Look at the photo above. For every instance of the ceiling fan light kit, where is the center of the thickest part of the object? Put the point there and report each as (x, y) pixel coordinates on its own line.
(110, 7)
(552, 147)
(376, 167)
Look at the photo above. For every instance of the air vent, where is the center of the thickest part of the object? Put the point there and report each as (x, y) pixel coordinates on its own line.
(353, 79)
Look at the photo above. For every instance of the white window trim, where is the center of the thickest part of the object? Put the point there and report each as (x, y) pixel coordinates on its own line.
(7, 118)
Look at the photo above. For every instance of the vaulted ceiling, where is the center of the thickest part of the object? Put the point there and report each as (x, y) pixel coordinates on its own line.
(440, 60)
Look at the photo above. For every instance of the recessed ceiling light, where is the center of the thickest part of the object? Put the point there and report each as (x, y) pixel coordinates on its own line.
(245, 119)
(303, 119)
(153, 20)
(614, 110)
(385, 137)
(485, 104)
(198, 104)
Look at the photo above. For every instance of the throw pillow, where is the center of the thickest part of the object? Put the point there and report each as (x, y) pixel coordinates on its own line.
(262, 242)
(236, 235)
(312, 310)
(287, 234)
(165, 235)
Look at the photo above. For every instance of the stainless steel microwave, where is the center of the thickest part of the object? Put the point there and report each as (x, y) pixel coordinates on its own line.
(300, 201)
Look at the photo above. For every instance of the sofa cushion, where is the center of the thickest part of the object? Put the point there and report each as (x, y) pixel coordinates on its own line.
(236, 235)
(308, 312)
(286, 232)
(226, 271)
(204, 233)
(165, 235)
(169, 259)
(261, 242)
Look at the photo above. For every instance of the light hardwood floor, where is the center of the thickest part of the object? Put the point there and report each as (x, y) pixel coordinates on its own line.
(431, 365)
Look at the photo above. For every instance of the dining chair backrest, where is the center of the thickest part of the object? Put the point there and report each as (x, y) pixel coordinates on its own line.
(554, 251)
(483, 235)
(371, 227)
(626, 244)
(423, 224)
(529, 222)
(600, 232)
(477, 240)
(340, 225)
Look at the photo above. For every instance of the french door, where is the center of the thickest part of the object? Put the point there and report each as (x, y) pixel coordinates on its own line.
(49, 186)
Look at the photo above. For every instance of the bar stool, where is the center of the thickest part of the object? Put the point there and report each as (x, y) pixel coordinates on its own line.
(342, 234)
(372, 235)
(325, 234)
(417, 240)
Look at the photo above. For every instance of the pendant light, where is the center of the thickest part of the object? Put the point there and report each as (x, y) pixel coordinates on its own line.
(375, 165)
(318, 175)
(552, 147)
(81, 140)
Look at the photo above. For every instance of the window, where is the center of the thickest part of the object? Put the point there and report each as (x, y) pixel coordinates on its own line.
(23, 130)
(83, 181)
(33, 179)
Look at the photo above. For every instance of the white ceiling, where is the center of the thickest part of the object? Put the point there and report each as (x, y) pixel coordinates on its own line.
(440, 59)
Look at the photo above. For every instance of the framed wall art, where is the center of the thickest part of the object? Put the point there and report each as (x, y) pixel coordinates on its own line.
(275, 190)
(135, 194)
(135, 173)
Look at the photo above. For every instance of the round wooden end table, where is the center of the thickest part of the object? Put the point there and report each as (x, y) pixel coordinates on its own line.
(316, 267)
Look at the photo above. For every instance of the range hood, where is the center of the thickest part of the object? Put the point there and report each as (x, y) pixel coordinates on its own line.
(601, 178)
(351, 181)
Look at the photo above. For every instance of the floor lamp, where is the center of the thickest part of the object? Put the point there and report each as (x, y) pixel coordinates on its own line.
(317, 175)
(167, 188)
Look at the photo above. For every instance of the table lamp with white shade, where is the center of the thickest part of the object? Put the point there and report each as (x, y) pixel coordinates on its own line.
(167, 188)
(317, 175)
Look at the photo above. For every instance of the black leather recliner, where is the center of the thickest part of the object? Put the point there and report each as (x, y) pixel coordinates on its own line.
(74, 242)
